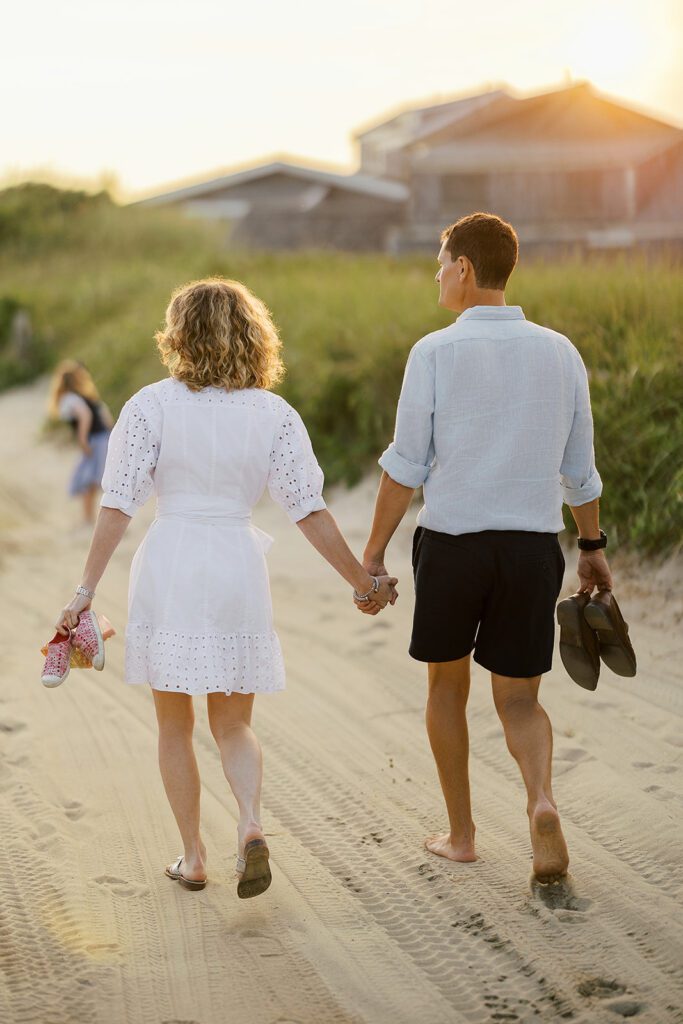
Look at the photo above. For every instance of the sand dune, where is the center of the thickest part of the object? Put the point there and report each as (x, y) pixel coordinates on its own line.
(361, 925)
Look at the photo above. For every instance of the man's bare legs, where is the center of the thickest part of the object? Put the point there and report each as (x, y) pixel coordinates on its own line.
(180, 775)
(530, 741)
(446, 718)
(230, 723)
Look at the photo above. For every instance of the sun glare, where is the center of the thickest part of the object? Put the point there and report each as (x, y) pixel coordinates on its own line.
(612, 46)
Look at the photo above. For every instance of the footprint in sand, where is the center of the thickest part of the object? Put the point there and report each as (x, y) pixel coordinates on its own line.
(559, 896)
(601, 988)
(121, 886)
(565, 760)
(74, 809)
(611, 996)
(11, 725)
(624, 1007)
(262, 945)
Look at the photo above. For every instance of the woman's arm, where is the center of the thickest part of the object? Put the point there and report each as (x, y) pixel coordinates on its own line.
(109, 529)
(321, 530)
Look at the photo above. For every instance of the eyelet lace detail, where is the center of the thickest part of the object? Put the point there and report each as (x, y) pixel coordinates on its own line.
(199, 663)
(85, 636)
(58, 657)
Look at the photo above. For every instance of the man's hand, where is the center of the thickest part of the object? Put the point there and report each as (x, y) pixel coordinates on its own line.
(386, 594)
(376, 567)
(593, 571)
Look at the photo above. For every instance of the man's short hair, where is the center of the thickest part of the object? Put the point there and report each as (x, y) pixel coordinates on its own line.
(489, 242)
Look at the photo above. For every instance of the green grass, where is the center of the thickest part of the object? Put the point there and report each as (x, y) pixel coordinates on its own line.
(96, 279)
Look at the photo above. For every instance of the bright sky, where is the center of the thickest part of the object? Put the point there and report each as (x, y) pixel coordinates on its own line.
(156, 91)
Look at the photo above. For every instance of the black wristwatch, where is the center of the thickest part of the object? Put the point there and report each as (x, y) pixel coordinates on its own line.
(593, 545)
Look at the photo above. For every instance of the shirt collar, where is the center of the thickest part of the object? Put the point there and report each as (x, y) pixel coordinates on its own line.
(492, 313)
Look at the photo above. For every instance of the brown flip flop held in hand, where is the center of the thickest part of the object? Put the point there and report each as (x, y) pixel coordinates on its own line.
(254, 869)
(173, 871)
(579, 645)
(603, 615)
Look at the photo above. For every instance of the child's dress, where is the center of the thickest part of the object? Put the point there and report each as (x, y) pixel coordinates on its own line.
(199, 607)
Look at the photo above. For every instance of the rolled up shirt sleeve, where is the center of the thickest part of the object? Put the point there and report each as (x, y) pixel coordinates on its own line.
(295, 480)
(579, 478)
(132, 454)
(409, 457)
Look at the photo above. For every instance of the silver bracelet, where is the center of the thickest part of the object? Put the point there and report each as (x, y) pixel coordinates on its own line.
(373, 590)
(84, 590)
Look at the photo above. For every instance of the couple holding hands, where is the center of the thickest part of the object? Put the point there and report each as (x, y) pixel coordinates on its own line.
(493, 421)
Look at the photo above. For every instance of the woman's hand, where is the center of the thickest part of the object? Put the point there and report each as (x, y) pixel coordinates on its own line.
(376, 567)
(69, 616)
(386, 594)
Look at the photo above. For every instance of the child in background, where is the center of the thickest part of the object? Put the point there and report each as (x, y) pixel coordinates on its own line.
(75, 399)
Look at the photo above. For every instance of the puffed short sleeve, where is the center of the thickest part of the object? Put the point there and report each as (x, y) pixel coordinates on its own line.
(70, 405)
(295, 480)
(132, 453)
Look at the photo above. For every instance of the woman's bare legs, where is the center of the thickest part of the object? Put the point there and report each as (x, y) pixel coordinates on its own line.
(529, 738)
(180, 774)
(230, 723)
(446, 718)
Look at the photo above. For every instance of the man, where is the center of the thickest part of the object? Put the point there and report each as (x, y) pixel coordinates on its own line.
(494, 421)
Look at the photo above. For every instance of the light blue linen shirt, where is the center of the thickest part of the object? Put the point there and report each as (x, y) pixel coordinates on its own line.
(494, 420)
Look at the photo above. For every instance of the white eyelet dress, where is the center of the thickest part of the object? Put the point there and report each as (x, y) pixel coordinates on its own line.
(200, 615)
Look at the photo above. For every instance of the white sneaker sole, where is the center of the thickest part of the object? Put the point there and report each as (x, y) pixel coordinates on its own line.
(55, 680)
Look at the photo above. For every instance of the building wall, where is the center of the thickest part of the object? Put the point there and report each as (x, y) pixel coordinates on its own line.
(523, 196)
(659, 187)
(341, 221)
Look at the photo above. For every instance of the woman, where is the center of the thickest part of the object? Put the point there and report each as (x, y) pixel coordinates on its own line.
(207, 440)
(74, 398)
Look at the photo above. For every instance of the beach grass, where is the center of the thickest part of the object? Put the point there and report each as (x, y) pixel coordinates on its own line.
(96, 278)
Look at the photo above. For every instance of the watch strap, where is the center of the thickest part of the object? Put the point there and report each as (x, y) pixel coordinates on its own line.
(593, 545)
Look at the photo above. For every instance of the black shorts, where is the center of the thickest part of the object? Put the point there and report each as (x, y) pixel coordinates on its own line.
(494, 591)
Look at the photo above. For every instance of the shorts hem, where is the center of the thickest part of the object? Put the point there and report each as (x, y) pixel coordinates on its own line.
(512, 675)
(437, 661)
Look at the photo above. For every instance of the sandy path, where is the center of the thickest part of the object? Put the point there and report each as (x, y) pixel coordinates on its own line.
(360, 925)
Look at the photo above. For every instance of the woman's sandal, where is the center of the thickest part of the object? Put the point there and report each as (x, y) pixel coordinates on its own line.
(254, 869)
(173, 871)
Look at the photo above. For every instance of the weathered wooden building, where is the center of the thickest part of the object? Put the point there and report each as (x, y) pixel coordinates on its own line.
(286, 206)
(567, 167)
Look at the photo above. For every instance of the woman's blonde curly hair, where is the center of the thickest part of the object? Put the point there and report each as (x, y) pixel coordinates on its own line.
(218, 333)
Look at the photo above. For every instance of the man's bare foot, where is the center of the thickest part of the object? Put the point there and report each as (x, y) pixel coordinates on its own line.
(551, 857)
(443, 845)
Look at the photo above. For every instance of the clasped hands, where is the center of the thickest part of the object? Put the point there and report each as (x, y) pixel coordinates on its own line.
(386, 594)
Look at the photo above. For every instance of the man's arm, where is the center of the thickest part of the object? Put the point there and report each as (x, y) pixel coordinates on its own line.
(582, 487)
(391, 505)
(408, 459)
